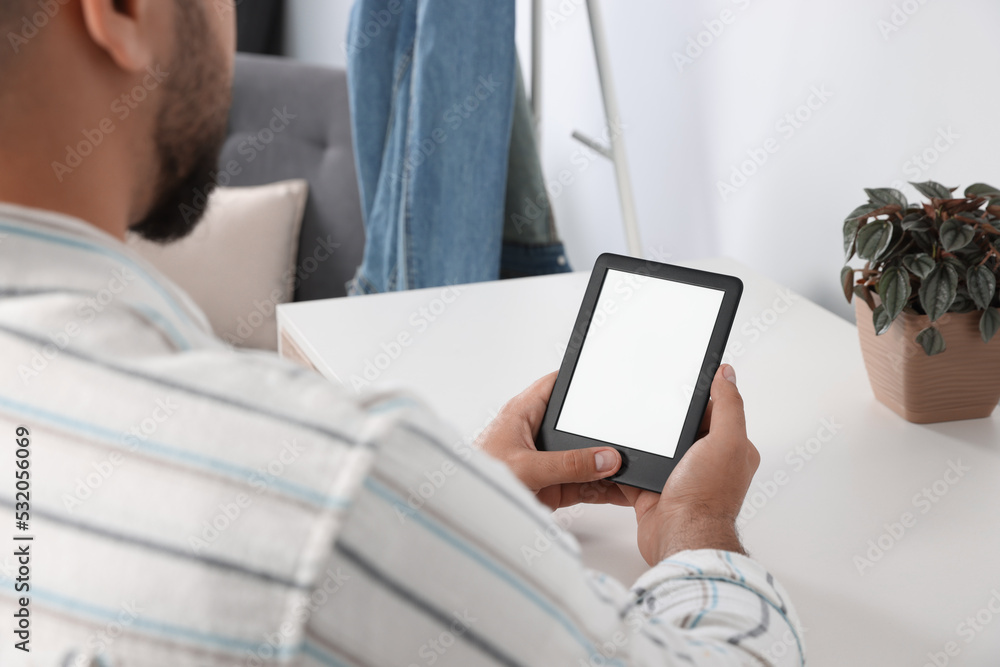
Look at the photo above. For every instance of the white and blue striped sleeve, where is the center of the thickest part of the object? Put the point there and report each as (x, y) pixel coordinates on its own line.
(438, 563)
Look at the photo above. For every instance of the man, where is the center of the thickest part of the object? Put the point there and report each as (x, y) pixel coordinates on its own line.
(192, 505)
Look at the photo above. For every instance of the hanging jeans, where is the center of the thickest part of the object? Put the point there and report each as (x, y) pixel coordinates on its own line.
(439, 118)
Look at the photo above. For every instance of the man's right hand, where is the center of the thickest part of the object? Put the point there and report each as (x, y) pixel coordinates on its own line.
(703, 495)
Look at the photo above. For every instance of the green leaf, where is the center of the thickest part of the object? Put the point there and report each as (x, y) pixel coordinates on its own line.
(917, 221)
(865, 294)
(861, 212)
(981, 190)
(955, 234)
(982, 285)
(938, 290)
(886, 197)
(932, 190)
(894, 288)
(932, 341)
(850, 233)
(881, 320)
(989, 323)
(873, 239)
(962, 304)
(919, 264)
(847, 282)
(926, 241)
(970, 217)
(955, 262)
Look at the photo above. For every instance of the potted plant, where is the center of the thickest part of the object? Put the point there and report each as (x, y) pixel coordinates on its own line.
(931, 268)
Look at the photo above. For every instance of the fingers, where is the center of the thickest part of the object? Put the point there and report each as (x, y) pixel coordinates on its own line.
(531, 402)
(539, 470)
(603, 492)
(728, 418)
(639, 499)
(631, 493)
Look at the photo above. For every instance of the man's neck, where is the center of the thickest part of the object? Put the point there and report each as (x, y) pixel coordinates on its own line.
(48, 161)
(32, 180)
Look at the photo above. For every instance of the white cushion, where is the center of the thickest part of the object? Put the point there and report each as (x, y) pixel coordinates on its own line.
(239, 263)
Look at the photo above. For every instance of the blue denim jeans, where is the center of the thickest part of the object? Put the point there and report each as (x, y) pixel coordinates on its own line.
(432, 90)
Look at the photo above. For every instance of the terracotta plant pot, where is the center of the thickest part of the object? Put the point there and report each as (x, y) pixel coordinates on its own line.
(963, 382)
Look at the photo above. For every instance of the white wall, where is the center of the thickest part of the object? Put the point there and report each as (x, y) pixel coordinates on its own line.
(315, 30)
(890, 95)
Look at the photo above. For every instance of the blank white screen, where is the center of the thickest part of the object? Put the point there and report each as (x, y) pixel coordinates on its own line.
(640, 362)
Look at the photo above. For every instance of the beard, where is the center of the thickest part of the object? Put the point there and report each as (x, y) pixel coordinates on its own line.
(190, 130)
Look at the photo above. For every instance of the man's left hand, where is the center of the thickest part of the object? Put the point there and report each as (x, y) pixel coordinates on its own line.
(559, 479)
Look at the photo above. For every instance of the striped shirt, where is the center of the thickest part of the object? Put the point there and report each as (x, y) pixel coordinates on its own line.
(191, 504)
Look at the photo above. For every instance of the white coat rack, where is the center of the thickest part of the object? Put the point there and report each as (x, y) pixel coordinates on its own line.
(616, 150)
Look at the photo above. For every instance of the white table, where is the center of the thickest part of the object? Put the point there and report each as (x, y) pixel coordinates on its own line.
(799, 369)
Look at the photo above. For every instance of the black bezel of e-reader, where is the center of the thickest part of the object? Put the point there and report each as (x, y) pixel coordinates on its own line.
(642, 469)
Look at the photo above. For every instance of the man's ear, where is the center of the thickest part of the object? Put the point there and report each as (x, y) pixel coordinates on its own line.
(122, 29)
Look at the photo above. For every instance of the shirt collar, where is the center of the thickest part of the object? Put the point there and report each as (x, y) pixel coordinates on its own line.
(46, 252)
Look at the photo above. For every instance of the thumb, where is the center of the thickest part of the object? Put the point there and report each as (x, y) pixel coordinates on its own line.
(728, 418)
(544, 469)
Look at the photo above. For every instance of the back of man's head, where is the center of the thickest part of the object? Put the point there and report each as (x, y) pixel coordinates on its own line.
(114, 110)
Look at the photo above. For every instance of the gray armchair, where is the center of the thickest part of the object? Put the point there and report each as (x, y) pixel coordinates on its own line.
(291, 120)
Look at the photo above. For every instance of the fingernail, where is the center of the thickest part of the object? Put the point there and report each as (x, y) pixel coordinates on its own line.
(605, 461)
(729, 373)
